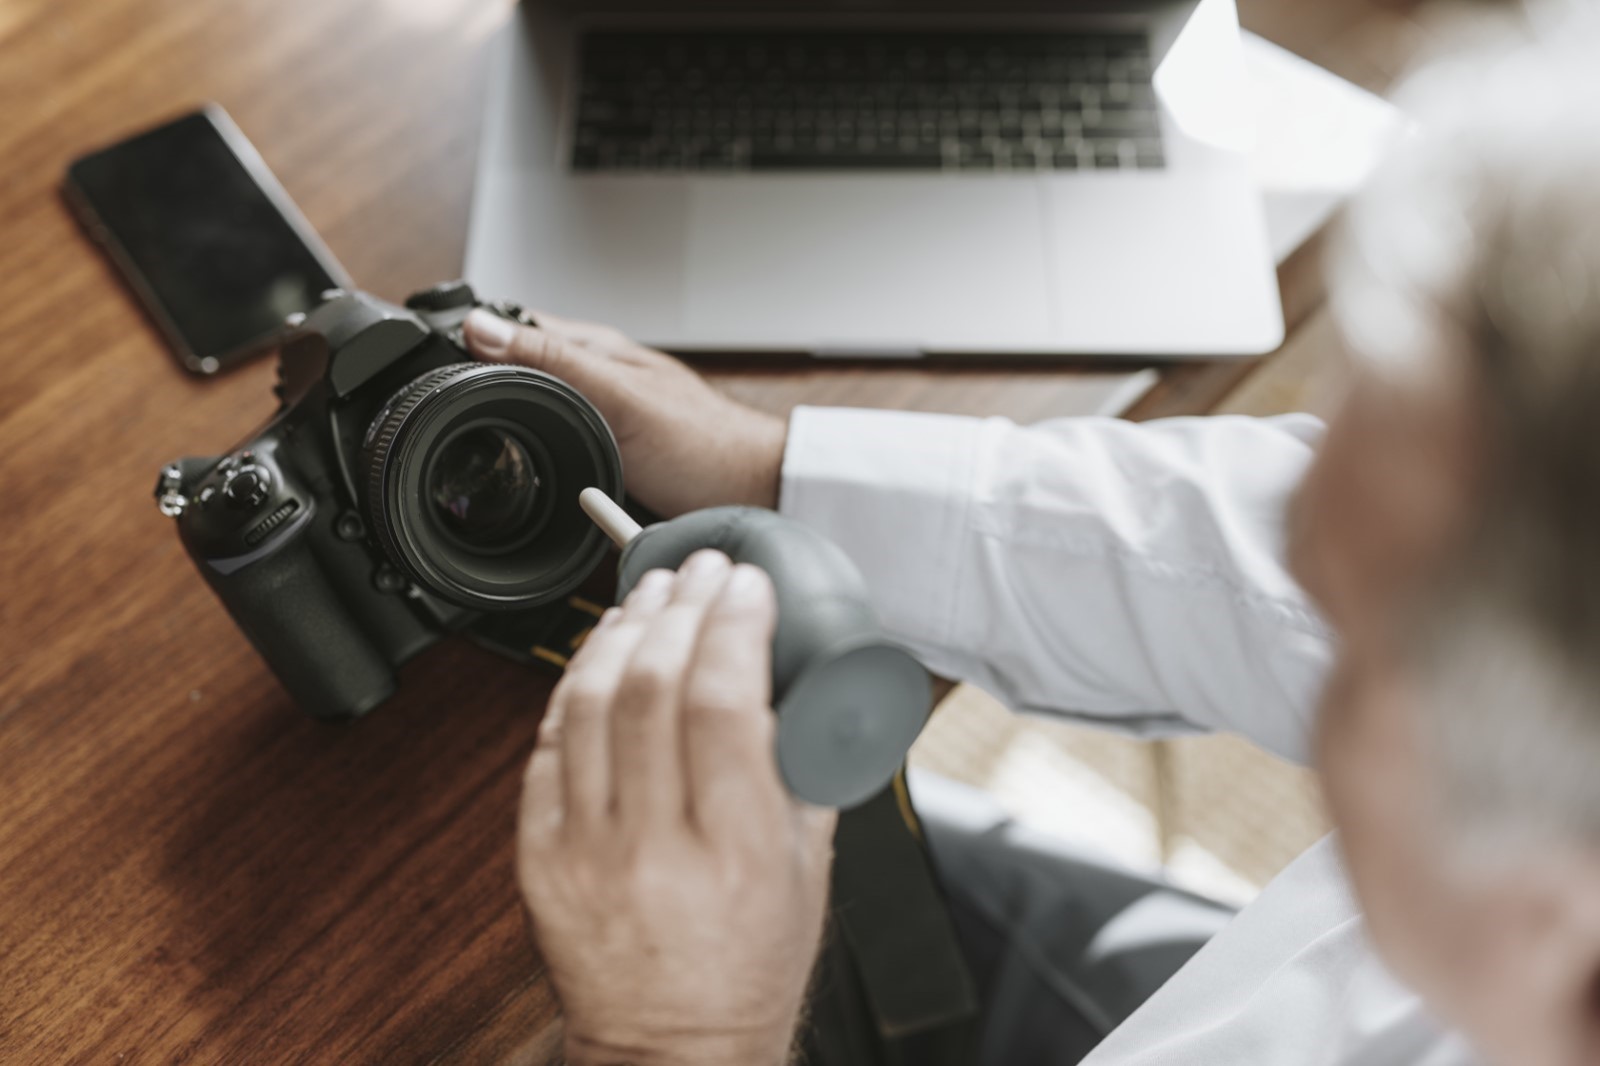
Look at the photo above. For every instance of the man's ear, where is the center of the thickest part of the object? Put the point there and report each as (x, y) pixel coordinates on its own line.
(1570, 889)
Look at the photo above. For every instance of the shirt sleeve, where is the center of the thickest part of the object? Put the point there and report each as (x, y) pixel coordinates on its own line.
(1128, 574)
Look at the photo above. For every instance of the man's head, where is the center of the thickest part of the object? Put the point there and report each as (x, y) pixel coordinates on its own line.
(1451, 531)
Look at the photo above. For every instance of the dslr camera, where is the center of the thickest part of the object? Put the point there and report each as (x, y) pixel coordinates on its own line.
(400, 493)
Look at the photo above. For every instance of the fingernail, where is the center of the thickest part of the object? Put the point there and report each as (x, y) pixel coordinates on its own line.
(608, 616)
(705, 563)
(747, 586)
(490, 334)
(651, 591)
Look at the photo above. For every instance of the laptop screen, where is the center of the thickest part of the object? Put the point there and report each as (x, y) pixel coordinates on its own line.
(867, 7)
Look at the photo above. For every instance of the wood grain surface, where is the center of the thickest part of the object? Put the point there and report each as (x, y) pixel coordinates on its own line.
(190, 870)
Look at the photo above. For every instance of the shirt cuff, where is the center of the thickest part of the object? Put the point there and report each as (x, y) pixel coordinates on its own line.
(892, 489)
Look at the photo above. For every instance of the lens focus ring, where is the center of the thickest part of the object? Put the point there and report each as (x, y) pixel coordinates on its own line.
(392, 419)
(472, 476)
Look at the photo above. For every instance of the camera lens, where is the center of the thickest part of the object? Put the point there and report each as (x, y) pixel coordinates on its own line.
(473, 475)
(484, 488)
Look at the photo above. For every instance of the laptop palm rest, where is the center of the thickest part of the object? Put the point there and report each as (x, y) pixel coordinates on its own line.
(865, 264)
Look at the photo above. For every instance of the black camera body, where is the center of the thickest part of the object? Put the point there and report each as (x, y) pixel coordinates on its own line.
(400, 493)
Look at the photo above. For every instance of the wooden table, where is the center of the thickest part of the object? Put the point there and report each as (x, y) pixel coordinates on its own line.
(190, 870)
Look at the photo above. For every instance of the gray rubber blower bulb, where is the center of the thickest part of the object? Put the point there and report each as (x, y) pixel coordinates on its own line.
(849, 701)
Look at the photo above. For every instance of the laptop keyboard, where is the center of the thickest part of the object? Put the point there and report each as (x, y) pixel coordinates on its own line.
(777, 100)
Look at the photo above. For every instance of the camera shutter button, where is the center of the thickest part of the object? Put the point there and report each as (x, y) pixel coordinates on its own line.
(246, 488)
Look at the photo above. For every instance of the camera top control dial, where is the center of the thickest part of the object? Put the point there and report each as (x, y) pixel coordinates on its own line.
(247, 487)
(446, 296)
(235, 507)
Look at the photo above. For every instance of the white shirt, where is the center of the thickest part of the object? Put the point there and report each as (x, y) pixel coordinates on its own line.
(1131, 576)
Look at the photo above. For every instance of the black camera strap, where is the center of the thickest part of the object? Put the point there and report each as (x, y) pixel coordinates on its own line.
(892, 986)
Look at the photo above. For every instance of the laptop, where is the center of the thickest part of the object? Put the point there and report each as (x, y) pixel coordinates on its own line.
(879, 178)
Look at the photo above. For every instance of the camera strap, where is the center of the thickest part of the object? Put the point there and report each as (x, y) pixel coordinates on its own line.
(892, 986)
(546, 638)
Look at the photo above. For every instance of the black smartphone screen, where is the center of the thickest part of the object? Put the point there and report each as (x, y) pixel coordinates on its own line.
(206, 235)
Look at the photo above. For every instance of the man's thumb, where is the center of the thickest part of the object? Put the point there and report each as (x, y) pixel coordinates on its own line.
(489, 336)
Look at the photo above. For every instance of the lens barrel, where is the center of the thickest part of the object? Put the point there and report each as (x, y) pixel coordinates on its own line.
(473, 475)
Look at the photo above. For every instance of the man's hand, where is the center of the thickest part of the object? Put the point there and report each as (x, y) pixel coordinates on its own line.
(684, 445)
(677, 891)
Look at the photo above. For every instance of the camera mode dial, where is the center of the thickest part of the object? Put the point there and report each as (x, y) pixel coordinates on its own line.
(443, 297)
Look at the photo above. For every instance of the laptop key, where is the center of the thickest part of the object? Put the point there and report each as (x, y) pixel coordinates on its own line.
(846, 160)
(863, 100)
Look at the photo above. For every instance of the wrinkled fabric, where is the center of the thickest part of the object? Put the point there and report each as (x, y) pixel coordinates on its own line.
(1061, 943)
(1129, 576)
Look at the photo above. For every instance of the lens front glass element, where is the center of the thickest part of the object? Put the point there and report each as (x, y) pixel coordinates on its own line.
(484, 487)
(473, 474)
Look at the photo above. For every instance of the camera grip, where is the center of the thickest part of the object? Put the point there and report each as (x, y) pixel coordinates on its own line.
(850, 702)
(287, 609)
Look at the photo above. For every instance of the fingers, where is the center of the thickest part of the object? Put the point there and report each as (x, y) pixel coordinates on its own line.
(584, 698)
(593, 335)
(665, 713)
(817, 825)
(491, 337)
(646, 760)
(543, 805)
(728, 724)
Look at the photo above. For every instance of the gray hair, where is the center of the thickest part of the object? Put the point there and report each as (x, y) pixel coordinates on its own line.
(1482, 241)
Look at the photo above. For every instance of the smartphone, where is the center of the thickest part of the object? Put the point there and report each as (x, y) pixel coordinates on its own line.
(204, 235)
